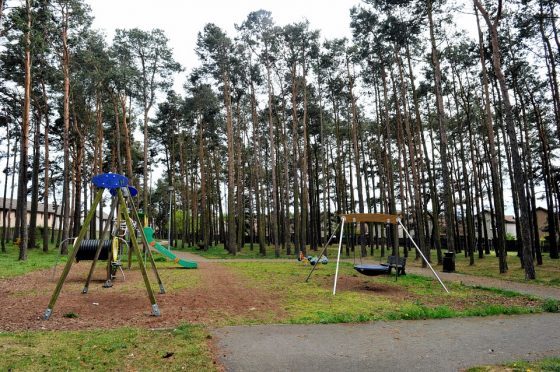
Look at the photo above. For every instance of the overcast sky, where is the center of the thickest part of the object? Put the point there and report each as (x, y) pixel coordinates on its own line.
(182, 20)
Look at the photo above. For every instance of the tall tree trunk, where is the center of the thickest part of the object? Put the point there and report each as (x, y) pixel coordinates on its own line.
(388, 159)
(232, 247)
(66, 133)
(550, 61)
(22, 184)
(271, 138)
(77, 165)
(416, 192)
(35, 183)
(203, 198)
(356, 151)
(531, 178)
(497, 192)
(510, 124)
(433, 195)
(443, 142)
(257, 175)
(552, 218)
(5, 211)
(299, 245)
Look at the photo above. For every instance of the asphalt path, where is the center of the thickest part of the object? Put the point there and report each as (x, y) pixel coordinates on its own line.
(422, 345)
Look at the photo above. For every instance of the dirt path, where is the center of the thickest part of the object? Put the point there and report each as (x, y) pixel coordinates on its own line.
(423, 345)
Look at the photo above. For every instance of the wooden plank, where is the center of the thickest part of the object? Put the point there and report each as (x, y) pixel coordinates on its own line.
(370, 217)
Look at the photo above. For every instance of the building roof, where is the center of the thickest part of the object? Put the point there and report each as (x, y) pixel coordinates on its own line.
(11, 204)
(509, 219)
(40, 207)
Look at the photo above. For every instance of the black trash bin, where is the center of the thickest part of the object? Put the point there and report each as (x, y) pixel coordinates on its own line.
(449, 262)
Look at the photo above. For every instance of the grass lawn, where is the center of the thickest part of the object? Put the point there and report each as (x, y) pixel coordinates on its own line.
(379, 298)
(36, 260)
(184, 348)
(547, 274)
(218, 251)
(544, 365)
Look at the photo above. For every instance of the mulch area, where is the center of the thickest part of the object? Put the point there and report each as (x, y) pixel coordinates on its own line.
(360, 284)
(220, 295)
(370, 286)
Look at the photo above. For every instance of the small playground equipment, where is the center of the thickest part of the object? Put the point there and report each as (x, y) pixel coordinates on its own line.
(312, 260)
(122, 195)
(149, 233)
(373, 269)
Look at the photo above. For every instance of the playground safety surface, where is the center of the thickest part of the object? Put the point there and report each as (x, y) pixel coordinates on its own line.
(219, 294)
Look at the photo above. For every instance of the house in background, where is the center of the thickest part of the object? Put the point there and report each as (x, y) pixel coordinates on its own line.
(10, 205)
(509, 225)
(542, 222)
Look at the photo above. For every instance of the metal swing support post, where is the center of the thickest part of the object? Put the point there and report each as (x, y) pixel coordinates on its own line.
(338, 255)
(323, 252)
(422, 254)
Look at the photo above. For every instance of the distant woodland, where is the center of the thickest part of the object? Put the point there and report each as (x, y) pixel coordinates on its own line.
(278, 131)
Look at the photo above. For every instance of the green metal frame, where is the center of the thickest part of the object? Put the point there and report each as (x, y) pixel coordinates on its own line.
(120, 201)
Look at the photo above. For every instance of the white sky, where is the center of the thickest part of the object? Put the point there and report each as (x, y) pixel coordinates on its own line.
(182, 20)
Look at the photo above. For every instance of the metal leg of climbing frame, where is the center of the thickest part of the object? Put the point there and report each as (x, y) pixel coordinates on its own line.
(72, 257)
(155, 308)
(147, 247)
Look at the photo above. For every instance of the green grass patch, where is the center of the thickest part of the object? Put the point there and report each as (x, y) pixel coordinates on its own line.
(551, 305)
(548, 273)
(374, 298)
(543, 365)
(503, 292)
(10, 266)
(219, 252)
(184, 348)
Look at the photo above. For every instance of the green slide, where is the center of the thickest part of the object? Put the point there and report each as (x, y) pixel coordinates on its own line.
(149, 232)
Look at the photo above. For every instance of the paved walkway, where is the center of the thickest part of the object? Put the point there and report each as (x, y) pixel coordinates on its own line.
(423, 345)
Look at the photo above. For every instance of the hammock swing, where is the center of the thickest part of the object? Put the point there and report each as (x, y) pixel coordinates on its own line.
(371, 269)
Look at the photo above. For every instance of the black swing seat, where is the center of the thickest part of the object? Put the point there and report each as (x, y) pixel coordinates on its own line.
(372, 269)
(398, 263)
